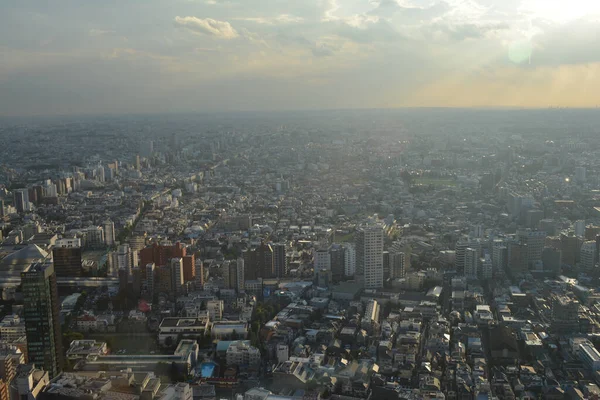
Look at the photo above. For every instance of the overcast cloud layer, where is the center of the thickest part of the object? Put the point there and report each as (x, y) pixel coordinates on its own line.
(130, 56)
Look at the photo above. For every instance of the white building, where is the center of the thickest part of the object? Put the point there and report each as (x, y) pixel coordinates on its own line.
(240, 353)
(215, 309)
(590, 357)
(580, 174)
(283, 353)
(124, 258)
(369, 255)
(580, 228)
(322, 260)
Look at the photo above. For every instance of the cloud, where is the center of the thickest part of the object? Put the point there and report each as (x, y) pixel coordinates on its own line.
(324, 50)
(464, 31)
(207, 26)
(279, 19)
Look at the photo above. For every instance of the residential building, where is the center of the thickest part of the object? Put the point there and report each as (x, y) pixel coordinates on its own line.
(369, 255)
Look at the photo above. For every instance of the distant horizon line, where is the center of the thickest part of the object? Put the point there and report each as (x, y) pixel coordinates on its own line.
(300, 110)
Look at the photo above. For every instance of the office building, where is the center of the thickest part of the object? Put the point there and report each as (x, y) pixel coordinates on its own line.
(215, 309)
(580, 174)
(41, 314)
(499, 254)
(94, 237)
(109, 232)
(67, 257)
(21, 200)
(369, 255)
(124, 258)
(552, 260)
(517, 258)
(460, 253)
(579, 228)
(199, 267)
(486, 269)
(386, 265)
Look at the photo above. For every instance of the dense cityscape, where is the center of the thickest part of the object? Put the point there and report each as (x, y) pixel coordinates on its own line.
(343, 255)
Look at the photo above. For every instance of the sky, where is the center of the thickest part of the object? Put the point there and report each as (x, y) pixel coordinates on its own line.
(71, 57)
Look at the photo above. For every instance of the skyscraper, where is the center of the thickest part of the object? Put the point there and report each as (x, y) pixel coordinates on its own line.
(338, 259)
(369, 255)
(189, 268)
(41, 313)
(21, 200)
(66, 255)
(240, 274)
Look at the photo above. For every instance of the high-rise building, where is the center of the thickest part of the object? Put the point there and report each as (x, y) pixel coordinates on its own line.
(569, 246)
(471, 262)
(258, 262)
(94, 237)
(322, 260)
(338, 261)
(189, 268)
(161, 254)
(579, 227)
(109, 232)
(460, 253)
(517, 258)
(150, 279)
(587, 256)
(138, 164)
(349, 259)
(199, 273)
(124, 258)
(21, 200)
(552, 260)
(240, 278)
(485, 267)
(535, 241)
(136, 279)
(580, 174)
(386, 265)
(279, 259)
(397, 268)
(41, 309)
(499, 254)
(177, 279)
(369, 255)
(66, 256)
(2, 208)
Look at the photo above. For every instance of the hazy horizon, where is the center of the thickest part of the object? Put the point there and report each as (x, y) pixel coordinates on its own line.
(187, 56)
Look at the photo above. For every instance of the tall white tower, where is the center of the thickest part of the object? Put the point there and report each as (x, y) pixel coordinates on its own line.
(369, 255)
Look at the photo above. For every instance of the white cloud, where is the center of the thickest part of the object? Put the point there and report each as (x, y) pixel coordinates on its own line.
(207, 26)
(279, 19)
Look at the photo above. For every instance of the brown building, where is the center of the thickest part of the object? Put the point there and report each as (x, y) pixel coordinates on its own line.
(164, 280)
(67, 258)
(189, 268)
(161, 254)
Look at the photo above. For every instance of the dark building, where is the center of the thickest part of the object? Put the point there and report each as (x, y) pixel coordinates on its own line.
(279, 259)
(21, 200)
(41, 314)
(258, 262)
(386, 265)
(67, 258)
(338, 262)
